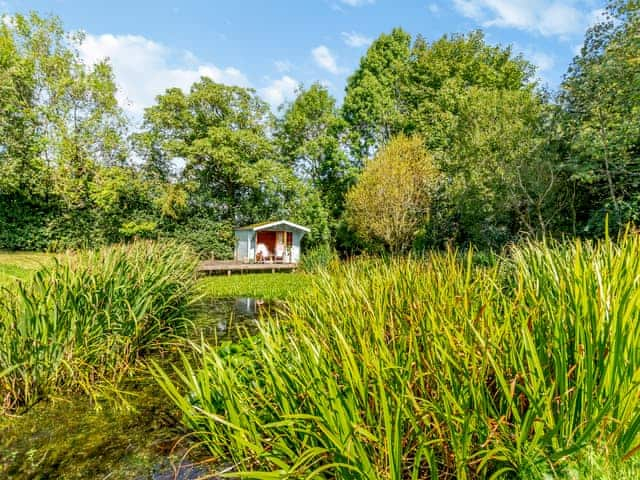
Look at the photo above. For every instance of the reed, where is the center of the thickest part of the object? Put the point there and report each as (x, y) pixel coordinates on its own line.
(86, 319)
(438, 368)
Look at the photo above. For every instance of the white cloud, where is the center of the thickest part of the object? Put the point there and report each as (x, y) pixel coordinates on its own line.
(357, 3)
(546, 17)
(356, 40)
(543, 61)
(433, 8)
(283, 66)
(279, 91)
(144, 68)
(325, 59)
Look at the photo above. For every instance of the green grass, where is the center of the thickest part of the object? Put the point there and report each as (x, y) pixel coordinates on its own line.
(20, 265)
(408, 369)
(267, 286)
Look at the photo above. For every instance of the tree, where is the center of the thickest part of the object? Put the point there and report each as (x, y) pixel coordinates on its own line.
(231, 174)
(600, 98)
(372, 105)
(59, 121)
(308, 136)
(219, 131)
(392, 197)
(481, 117)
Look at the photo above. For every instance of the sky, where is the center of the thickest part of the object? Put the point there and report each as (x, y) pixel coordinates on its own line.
(274, 46)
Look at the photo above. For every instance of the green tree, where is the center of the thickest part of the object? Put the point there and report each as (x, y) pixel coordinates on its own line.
(218, 131)
(372, 105)
(231, 175)
(601, 102)
(392, 199)
(59, 121)
(309, 138)
(482, 118)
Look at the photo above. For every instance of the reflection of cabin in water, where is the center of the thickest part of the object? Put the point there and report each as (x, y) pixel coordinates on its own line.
(269, 242)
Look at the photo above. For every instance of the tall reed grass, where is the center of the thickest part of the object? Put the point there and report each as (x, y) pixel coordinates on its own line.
(86, 318)
(411, 369)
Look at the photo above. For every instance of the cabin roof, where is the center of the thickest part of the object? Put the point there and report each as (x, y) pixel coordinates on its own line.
(273, 224)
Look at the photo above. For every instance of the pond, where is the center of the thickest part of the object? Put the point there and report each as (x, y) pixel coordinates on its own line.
(68, 438)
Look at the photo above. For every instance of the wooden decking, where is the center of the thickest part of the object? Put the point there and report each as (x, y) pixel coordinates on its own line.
(229, 266)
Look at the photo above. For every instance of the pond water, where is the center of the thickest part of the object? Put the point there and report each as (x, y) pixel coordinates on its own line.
(70, 439)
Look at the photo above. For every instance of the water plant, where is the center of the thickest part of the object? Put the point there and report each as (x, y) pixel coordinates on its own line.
(86, 318)
(438, 368)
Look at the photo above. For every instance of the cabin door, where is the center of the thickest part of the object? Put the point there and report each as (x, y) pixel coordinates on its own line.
(266, 245)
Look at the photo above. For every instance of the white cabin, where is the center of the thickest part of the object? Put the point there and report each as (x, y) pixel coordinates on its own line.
(269, 242)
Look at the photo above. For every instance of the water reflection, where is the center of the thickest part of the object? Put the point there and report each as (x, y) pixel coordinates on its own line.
(70, 439)
(230, 319)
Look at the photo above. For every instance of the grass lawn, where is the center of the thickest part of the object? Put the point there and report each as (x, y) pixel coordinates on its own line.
(19, 265)
(268, 286)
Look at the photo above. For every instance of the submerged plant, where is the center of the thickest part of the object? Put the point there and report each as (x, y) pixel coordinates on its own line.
(409, 369)
(87, 318)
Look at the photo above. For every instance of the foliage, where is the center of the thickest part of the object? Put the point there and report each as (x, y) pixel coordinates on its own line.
(601, 124)
(481, 118)
(515, 160)
(309, 135)
(437, 369)
(205, 236)
(372, 104)
(392, 198)
(87, 318)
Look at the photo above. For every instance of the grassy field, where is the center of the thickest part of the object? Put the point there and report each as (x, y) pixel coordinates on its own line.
(267, 286)
(19, 265)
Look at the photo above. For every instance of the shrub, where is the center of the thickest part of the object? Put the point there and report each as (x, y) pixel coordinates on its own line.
(205, 236)
(437, 369)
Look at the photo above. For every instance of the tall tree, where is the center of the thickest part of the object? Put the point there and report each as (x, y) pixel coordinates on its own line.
(372, 105)
(223, 134)
(601, 100)
(60, 119)
(218, 131)
(480, 115)
(309, 136)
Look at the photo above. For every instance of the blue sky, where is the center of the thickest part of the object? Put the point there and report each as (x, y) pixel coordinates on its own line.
(274, 45)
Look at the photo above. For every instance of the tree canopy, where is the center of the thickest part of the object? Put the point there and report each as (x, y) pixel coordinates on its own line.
(449, 141)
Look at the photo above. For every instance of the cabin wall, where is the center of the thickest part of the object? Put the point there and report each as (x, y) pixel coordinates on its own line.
(295, 249)
(243, 245)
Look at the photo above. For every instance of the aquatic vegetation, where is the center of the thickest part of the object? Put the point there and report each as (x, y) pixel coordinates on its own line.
(407, 369)
(85, 319)
(267, 286)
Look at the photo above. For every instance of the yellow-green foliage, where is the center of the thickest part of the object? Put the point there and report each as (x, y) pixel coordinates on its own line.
(393, 195)
(414, 369)
(87, 317)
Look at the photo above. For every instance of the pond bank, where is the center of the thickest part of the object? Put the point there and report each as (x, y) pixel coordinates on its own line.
(70, 439)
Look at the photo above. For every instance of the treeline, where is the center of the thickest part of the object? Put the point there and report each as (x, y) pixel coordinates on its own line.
(449, 142)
